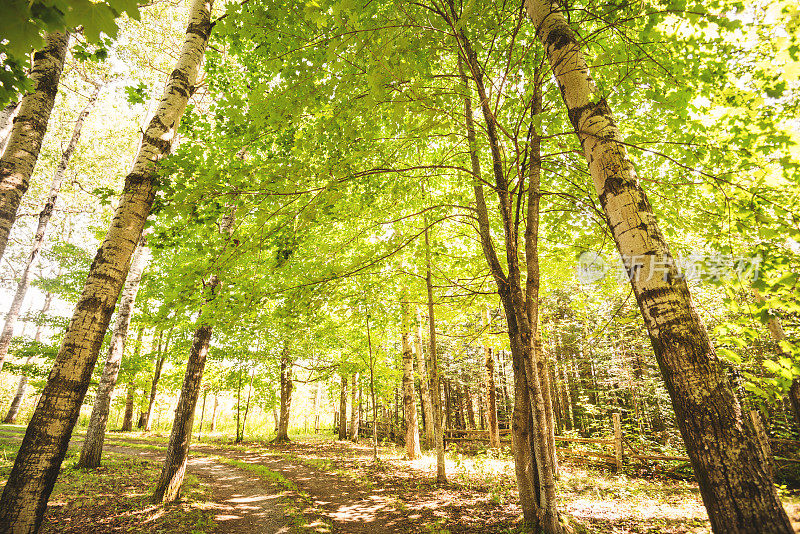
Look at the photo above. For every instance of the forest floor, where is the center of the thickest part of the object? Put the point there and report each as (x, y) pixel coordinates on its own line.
(315, 484)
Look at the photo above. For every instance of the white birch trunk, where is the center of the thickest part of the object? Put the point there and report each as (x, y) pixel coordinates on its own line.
(29, 126)
(44, 218)
(728, 463)
(92, 448)
(36, 467)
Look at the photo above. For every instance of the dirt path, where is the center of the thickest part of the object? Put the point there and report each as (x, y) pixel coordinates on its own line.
(243, 502)
(346, 506)
(248, 504)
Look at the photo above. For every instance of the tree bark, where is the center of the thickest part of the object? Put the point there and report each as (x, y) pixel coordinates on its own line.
(161, 356)
(777, 334)
(287, 386)
(247, 403)
(533, 459)
(27, 132)
(7, 116)
(44, 218)
(412, 430)
(343, 409)
(355, 414)
(170, 481)
(214, 413)
(424, 384)
(43, 448)
(372, 395)
(92, 448)
(127, 419)
(433, 366)
(317, 401)
(491, 391)
(794, 398)
(728, 464)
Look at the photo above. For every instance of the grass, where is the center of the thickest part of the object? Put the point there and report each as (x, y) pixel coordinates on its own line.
(116, 498)
(298, 518)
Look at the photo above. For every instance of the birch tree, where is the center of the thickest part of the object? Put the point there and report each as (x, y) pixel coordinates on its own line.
(92, 448)
(41, 228)
(36, 466)
(409, 405)
(29, 126)
(741, 499)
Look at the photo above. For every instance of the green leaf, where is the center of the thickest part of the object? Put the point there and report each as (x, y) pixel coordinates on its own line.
(95, 19)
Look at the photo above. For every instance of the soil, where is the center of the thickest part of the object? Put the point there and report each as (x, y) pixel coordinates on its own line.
(244, 503)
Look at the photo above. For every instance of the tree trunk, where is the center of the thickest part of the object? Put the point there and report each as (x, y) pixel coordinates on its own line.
(412, 430)
(343, 409)
(43, 448)
(470, 407)
(92, 448)
(27, 132)
(171, 479)
(202, 415)
(777, 334)
(728, 463)
(372, 394)
(6, 123)
(317, 401)
(214, 413)
(22, 387)
(424, 384)
(238, 404)
(354, 408)
(161, 356)
(247, 403)
(433, 366)
(127, 419)
(44, 218)
(794, 398)
(533, 458)
(287, 386)
(491, 392)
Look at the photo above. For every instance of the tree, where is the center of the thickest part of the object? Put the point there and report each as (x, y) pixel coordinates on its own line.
(27, 133)
(409, 404)
(707, 411)
(287, 387)
(92, 448)
(170, 481)
(45, 443)
(491, 391)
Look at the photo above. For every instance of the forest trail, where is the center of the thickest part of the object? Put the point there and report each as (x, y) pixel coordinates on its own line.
(249, 504)
(244, 502)
(349, 507)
